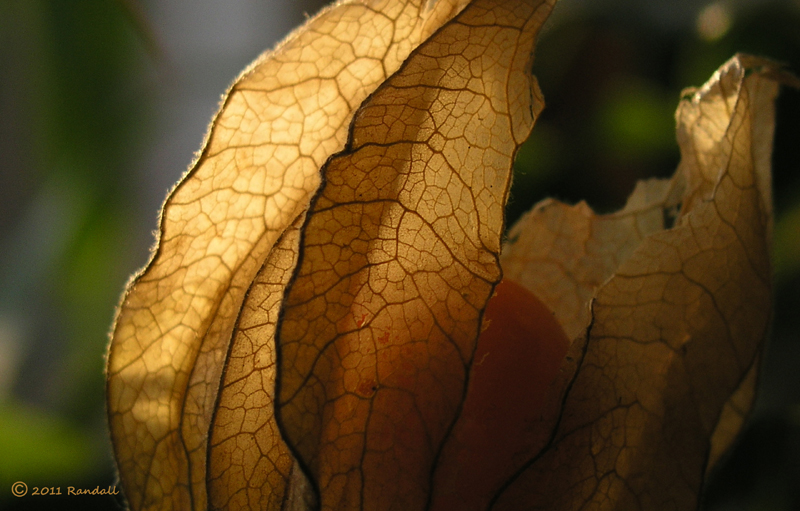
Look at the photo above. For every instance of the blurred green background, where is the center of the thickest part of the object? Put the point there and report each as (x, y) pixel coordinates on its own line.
(103, 103)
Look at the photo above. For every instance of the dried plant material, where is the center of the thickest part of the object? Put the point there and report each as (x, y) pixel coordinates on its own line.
(678, 315)
(509, 404)
(260, 164)
(563, 253)
(249, 465)
(285, 353)
(399, 257)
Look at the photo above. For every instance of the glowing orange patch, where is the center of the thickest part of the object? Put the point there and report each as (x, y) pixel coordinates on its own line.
(517, 358)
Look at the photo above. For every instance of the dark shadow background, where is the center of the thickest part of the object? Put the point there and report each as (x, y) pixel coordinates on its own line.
(103, 103)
